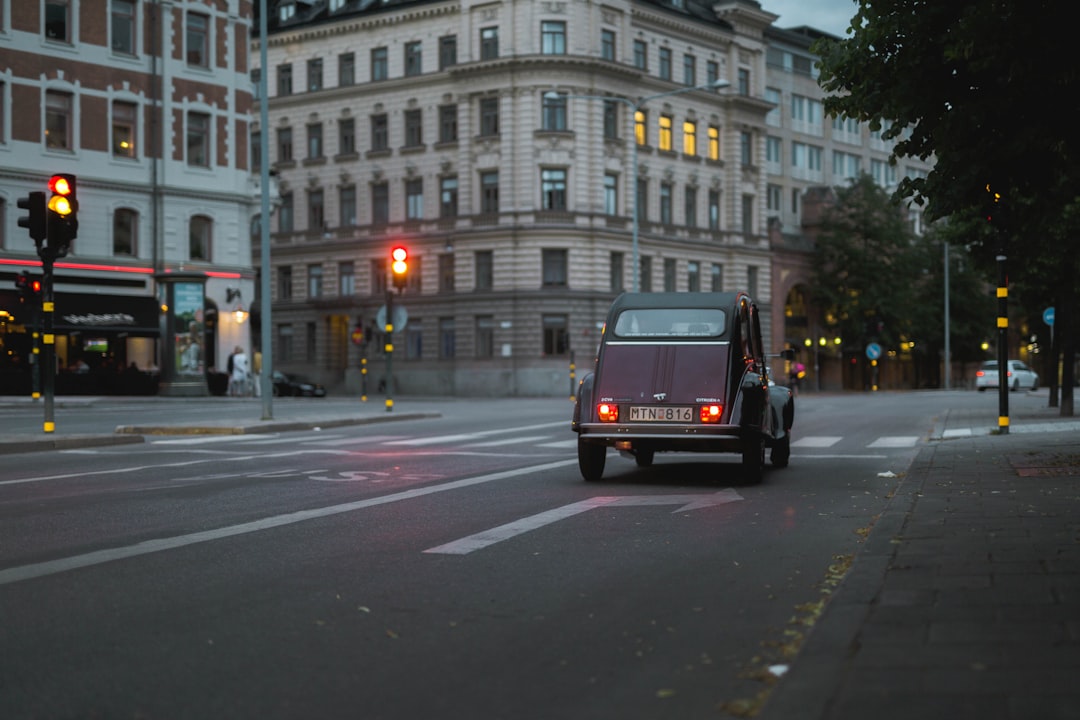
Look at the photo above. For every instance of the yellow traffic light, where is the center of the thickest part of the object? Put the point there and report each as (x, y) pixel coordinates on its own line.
(399, 266)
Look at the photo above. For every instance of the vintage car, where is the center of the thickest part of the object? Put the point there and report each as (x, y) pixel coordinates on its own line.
(682, 372)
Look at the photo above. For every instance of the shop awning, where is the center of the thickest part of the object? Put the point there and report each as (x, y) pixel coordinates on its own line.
(76, 312)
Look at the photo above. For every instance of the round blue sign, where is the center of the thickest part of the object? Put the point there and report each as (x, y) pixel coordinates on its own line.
(873, 351)
(1048, 316)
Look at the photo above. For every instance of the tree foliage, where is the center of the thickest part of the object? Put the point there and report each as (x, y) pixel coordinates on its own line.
(988, 89)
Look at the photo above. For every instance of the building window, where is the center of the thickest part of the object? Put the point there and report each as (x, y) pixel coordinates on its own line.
(198, 140)
(773, 198)
(554, 111)
(447, 51)
(123, 129)
(618, 261)
(748, 214)
(314, 281)
(693, 277)
(122, 26)
(607, 45)
(284, 285)
(665, 63)
(689, 130)
(314, 141)
(666, 191)
(448, 123)
(665, 133)
(284, 343)
(689, 64)
(489, 43)
(640, 119)
(414, 199)
(413, 58)
(58, 120)
(611, 120)
(285, 213)
(378, 277)
(58, 20)
(284, 145)
(447, 338)
(414, 340)
(446, 273)
(125, 227)
(256, 150)
(714, 209)
(552, 37)
(554, 266)
(448, 196)
(714, 143)
(200, 236)
(346, 278)
(611, 194)
(316, 210)
(746, 149)
(645, 273)
(347, 205)
(284, 79)
(197, 40)
(669, 274)
(641, 55)
(752, 280)
(485, 336)
(690, 206)
(346, 69)
(489, 116)
(380, 134)
(414, 128)
(314, 74)
(712, 72)
(485, 269)
(489, 192)
(379, 64)
(553, 188)
(556, 334)
(380, 203)
(346, 136)
(717, 278)
(641, 202)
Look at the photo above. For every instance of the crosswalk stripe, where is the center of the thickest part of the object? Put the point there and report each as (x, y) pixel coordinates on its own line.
(507, 441)
(559, 444)
(816, 441)
(895, 441)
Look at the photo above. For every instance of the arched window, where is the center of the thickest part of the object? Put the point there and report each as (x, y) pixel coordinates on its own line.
(125, 232)
(200, 236)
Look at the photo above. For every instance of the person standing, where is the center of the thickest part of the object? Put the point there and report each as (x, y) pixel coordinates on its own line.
(238, 379)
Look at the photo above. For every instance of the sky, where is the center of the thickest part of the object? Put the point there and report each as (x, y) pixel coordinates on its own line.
(832, 16)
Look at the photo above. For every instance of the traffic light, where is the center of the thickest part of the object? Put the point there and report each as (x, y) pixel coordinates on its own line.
(63, 215)
(35, 219)
(399, 266)
(29, 288)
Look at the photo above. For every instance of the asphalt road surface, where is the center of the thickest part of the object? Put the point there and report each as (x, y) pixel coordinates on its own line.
(455, 568)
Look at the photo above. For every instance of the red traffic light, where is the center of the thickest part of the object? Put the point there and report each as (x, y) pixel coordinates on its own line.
(399, 266)
(62, 188)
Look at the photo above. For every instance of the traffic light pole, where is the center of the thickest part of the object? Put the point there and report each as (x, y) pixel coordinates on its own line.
(1003, 345)
(389, 350)
(48, 356)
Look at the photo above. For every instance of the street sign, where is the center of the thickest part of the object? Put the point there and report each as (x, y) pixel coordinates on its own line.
(401, 318)
(1048, 316)
(357, 336)
(873, 351)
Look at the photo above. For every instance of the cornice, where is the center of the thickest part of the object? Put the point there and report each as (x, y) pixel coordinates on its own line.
(347, 26)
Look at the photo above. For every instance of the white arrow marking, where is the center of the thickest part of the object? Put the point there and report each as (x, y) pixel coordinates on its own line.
(481, 540)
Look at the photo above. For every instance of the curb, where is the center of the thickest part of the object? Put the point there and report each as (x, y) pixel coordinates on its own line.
(65, 442)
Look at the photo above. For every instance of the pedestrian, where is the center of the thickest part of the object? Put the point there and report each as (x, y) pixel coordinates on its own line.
(239, 376)
(229, 370)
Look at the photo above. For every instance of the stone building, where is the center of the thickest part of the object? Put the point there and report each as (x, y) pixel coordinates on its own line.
(148, 104)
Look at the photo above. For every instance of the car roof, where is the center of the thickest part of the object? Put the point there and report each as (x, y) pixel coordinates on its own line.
(720, 300)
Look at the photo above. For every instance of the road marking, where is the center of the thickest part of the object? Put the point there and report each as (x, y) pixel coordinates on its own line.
(559, 444)
(816, 441)
(959, 432)
(895, 441)
(52, 567)
(413, 442)
(507, 441)
(481, 540)
(199, 439)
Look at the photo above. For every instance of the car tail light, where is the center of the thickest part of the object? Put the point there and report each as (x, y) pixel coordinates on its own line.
(980, 373)
(608, 412)
(710, 413)
(1008, 374)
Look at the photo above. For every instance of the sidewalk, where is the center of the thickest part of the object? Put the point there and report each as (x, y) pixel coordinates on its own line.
(964, 601)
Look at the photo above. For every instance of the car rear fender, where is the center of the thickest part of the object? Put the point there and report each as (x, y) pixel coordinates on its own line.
(583, 401)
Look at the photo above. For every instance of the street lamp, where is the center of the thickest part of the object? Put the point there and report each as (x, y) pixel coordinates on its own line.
(634, 106)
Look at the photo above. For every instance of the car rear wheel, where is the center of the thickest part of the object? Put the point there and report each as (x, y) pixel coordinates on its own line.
(644, 458)
(753, 459)
(781, 452)
(591, 457)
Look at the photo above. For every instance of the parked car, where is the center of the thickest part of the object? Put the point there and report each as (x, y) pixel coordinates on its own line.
(289, 384)
(682, 372)
(1018, 376)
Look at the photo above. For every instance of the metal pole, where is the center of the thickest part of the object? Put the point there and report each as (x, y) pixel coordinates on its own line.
(948, 342)
(635, 267)
(266, 370)
(48, 365)
(389, 350)
(1003, 349)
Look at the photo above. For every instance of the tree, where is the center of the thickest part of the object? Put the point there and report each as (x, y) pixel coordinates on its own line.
(989, 89)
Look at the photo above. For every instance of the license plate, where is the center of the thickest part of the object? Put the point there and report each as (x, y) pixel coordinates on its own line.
(661, 414)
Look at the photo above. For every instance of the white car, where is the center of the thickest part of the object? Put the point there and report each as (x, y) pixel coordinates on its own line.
(1019, 376)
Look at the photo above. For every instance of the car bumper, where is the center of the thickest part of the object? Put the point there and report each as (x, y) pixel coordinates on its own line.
(690, 438)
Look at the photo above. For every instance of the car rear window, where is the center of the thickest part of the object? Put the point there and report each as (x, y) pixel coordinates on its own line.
(670, 323)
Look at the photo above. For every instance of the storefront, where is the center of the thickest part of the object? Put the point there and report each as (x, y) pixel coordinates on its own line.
(105, 344)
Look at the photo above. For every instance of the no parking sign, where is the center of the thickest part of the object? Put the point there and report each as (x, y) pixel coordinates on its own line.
(873, 351)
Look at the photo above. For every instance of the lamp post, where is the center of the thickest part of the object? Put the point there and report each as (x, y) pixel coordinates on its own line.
(634, 106)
